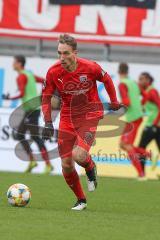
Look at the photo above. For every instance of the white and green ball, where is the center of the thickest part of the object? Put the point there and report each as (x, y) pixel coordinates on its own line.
(18, 195)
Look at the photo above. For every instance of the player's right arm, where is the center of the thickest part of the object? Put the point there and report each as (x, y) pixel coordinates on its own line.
(47, 92)
(21, 83)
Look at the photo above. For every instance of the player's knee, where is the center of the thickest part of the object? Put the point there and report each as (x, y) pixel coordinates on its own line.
(79, 155)
(122, 145)
(67, 165)
(39, 141)
(125, 146)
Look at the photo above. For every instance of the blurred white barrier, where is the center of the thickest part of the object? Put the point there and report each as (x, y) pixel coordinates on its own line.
(8, 159)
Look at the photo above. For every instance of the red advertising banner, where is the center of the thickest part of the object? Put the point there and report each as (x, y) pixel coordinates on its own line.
(89, 23)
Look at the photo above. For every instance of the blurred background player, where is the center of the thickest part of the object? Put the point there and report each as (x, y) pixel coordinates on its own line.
(26, 83)
(130, 97)
(75, 78)
(151, 103)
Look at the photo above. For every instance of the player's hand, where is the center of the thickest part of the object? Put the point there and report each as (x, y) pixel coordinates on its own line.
(6, 96)
(114, 106)
(48, 131)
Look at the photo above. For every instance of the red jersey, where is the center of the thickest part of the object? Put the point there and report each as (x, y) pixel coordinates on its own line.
(153, 96)
(78, 89)
(124, 94)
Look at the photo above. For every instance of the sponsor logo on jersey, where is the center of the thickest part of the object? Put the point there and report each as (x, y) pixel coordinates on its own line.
(88, 138)
(75, 88)
(83, 78)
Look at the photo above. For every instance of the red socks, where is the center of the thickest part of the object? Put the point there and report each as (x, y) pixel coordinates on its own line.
(45, 156)
(142, 152)
(136, 162)
(88, 164)
(73, 181)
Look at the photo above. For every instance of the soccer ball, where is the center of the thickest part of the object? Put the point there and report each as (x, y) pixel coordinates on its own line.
(18, 195)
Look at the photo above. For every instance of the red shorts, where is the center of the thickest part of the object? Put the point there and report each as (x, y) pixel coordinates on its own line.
(130, 131)
(79, 133)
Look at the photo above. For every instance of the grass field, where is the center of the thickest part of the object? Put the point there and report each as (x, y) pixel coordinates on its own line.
(120, 209)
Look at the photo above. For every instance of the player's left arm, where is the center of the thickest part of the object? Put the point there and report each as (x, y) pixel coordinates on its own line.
(39, 79)
(104, 77)
(154, 97)
(123, 90)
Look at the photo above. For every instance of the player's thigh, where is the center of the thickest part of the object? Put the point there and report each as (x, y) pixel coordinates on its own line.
(67, 163)
(130, 131)
(127, 137)
(20, 131)
(33, 123)
(147, 137)
(86, 135)
(66, 141)
(135, 126)
(39, 141)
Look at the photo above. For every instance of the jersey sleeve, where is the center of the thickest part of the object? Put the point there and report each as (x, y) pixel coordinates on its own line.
(104, 77)
(153, 96)
(144, 96)
(21, 83)
(39, 79)
(48, 89)
(99, 72)
(123, 90)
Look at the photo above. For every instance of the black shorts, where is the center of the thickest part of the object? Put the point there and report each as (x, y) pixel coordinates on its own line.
(29, 123)
(149, 134)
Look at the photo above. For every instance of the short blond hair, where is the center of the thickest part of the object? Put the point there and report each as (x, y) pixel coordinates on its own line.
(69, 40)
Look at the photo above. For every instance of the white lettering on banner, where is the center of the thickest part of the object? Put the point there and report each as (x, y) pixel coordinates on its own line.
(1, 9)
(29, 17)
(151, 25)
(113, 19)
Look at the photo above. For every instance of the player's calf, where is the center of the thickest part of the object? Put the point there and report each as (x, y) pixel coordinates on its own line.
(92, 179)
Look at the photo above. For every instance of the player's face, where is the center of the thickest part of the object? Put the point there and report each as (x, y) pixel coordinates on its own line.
(67, 56)
(143, 81)
(16, 65)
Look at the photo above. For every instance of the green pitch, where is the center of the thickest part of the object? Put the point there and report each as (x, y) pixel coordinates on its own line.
(120, 209)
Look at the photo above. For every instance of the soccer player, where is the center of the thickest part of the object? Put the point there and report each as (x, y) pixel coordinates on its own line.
(130, 95)
(151, 102)
(26, 82)
(81, 109)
